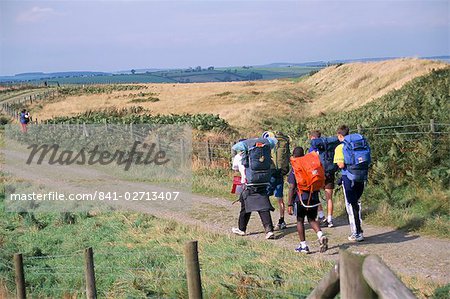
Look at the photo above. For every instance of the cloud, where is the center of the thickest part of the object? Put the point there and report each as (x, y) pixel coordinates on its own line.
(36, 14)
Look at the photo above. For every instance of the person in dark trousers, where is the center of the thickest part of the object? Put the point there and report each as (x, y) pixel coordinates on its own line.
(329, 188)
(24, 119)
(352, 190)
(302, 211)
(255, 199)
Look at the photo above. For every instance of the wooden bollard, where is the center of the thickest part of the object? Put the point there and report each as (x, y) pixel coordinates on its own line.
(352, 283)
(91, 290)
(381, 279)
(193, 270)
(20, 276)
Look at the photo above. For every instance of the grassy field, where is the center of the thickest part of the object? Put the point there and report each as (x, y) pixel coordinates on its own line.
(245, 105)
(140, 256)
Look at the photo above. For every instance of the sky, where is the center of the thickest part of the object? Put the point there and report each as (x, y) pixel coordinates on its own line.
(51, 36)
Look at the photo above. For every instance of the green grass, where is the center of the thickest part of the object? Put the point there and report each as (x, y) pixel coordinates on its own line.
(140, 256)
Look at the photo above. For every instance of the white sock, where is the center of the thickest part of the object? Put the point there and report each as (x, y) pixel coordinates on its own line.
(321, 215)
(303, 244)
(330, 218)
(319, 234)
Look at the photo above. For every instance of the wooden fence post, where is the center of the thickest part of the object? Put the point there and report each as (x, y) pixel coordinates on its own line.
(432, 126)
(208, 152)
(85, 131)
(352, 284)
(193, 270)
(328, 286)
(232, 151)
(359, 128)
(381, 279)
(158, 142)
(131, 131)
(20, 276)
(91, 291)
(182, 151)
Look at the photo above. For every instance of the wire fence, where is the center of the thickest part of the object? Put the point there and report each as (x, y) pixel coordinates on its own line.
(65, 274)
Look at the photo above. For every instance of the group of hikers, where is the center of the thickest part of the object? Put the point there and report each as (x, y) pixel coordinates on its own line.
(264, 162)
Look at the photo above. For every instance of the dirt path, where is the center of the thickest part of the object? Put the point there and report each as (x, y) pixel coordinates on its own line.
(407, 254)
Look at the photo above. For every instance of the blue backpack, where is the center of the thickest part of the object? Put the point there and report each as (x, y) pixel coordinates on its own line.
(326, 146)
(356, 157)
(257, 161)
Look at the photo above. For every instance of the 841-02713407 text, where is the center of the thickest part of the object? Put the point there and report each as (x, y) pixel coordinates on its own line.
(139, 195)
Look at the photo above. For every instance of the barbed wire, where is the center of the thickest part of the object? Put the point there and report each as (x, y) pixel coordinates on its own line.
(394, 127)
(77, 253)
(50, 268)
(54, 273)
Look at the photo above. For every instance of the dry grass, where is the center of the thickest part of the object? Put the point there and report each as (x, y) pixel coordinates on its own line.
(244, 104)
(352, 85)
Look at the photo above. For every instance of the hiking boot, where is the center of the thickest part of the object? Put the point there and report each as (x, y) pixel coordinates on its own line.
(237, 231)
(270, 235)
(330, 224)
(352, 237)
(302, 250)
(323, 241)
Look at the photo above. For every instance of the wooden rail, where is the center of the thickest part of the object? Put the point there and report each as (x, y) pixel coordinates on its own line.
(360, 276)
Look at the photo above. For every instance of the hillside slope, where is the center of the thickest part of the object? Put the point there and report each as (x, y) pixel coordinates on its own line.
(350, 86)
(245, 104)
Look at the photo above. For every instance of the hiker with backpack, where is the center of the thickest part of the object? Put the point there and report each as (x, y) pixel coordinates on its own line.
(326, 146)
(256, 159)
(305, 180)
(24, 118)
(353, 157)
(238, 180)
(280, 168)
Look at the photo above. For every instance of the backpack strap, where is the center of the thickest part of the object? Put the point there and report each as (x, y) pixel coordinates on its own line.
(307, 206)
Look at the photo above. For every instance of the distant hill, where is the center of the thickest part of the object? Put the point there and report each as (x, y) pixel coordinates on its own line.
(278, 70)
(332, 62)
(190, 75)
(36, 76)
(249, 105)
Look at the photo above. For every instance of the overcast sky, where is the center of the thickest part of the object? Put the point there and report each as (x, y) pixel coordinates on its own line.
(64, 35)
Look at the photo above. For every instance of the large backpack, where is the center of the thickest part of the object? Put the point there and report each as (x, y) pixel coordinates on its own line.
(282, 153)
(326, 146)
(357, 157)
(257, 161)
(309, 174)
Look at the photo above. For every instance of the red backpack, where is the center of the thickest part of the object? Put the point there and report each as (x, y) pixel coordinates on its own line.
(308, 172)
